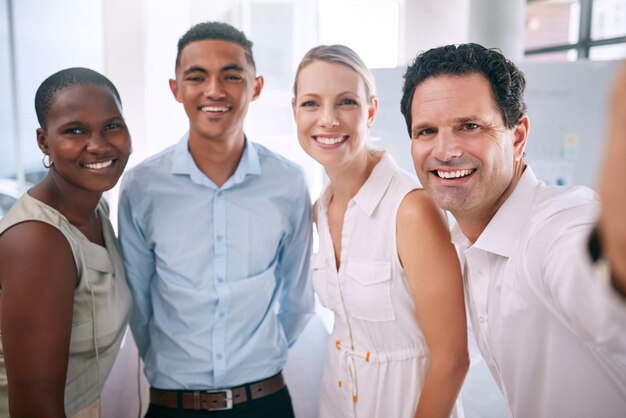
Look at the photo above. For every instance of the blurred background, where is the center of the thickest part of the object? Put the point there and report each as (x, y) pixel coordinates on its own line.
(567, 49)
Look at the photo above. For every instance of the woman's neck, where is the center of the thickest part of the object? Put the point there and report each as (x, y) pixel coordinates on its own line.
(77, 205)
(346, 180)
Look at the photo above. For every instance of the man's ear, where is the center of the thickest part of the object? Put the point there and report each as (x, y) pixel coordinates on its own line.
(259, 81)
(174, 89)
(42, 140)
(520, 133)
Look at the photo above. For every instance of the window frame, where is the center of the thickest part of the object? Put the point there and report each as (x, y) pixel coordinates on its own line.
(584, 43)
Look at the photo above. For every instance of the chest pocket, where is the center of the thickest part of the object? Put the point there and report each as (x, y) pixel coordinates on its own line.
(368, 290)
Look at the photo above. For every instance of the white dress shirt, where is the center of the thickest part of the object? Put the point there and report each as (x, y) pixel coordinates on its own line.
(547, 320)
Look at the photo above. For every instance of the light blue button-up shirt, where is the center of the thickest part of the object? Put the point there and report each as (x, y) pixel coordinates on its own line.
(219, 275)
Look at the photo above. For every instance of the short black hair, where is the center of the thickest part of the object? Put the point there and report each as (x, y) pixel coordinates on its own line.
(506, 80)
(47, 91)
(215, 31)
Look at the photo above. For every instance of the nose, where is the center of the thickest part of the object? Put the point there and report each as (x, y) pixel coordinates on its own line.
(98, 142)
(329, 117)
(447, 146)
(213, 88)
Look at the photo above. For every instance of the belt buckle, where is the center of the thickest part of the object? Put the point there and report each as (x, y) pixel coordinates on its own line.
(228, 397)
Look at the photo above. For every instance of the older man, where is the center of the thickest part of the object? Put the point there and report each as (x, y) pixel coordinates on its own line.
(544, 267)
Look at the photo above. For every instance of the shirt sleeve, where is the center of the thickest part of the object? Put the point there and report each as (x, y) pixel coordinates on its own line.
(576, 288)
(296, 293)
(138, 262)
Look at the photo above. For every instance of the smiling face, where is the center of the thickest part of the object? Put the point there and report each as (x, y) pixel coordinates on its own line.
(332, 112)
(464, 155)
(86, 137)
(215, 83)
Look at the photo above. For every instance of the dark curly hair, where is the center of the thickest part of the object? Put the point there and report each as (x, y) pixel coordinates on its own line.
(506, 80)
(215, 31)
(69, 77)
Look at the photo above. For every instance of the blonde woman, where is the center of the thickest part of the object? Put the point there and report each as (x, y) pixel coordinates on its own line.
(385, 264)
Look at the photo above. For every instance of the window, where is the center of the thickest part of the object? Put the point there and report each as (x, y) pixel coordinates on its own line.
(300, 25)
(575, 29)
(378, 48)
(42, 42)
(8, 156)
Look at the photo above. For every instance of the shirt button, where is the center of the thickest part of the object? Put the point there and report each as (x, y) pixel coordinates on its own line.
(221, 315)
(220, 279)
(219, 238)
(482, 319)
(219, 356)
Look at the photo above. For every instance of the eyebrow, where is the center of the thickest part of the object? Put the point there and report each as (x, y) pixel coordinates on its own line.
(343, 93)
(232, 67)
(199, 69)
(195, 69)
(470, 118)
(71, 123)
(81, 123)
(115, 119)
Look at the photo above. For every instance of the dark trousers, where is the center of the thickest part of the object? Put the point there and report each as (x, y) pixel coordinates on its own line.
(276, 405)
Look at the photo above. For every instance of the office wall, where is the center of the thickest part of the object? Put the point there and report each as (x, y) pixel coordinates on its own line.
(567, 109)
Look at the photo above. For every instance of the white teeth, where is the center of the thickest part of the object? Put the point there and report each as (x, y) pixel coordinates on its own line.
(454, 174)
(98, 166)
(329, 141)
(214, 108)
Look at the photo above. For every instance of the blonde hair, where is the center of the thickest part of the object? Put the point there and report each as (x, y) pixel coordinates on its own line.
(338, 54)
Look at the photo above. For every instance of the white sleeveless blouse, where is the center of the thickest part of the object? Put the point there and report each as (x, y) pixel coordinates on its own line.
(377, 358)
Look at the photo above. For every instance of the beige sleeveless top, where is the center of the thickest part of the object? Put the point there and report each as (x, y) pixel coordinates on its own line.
(102, 304)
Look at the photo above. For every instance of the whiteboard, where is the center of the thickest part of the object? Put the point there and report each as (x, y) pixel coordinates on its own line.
(567, 110)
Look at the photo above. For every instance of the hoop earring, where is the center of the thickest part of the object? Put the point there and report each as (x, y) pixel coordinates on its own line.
(43, 161)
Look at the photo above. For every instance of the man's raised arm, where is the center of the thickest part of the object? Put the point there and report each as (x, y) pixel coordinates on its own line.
(612, 186)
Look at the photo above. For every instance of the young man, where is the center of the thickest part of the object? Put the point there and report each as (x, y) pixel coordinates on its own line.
(216, 235)
(549, 320)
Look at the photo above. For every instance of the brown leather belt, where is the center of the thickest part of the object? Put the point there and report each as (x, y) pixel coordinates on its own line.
(218, 399)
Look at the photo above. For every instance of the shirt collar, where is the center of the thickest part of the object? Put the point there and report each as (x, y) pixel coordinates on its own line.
(183, 163)
(372, 191)
(499, 237)
(249, 163)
